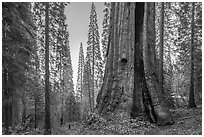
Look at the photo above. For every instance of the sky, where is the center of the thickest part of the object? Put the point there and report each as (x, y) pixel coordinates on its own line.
(77, 15)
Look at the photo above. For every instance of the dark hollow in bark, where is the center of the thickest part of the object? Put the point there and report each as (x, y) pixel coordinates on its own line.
(124, 59)
(129, 84)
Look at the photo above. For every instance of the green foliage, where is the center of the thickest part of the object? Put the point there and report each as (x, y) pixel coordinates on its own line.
(118, 124)
(177, 43)
(170, 33)
(94, 59)
(183, 45)
(93, 44)
(23, 60)
(23, 129)
(87, 89)
(92, 74)
(187, 122)
(61, 73)
(72, 111)
(105, 34)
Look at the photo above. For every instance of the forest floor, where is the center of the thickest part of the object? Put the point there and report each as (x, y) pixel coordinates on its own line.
(187, 122)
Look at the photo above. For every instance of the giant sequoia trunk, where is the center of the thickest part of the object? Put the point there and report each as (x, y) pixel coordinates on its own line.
(131, 83)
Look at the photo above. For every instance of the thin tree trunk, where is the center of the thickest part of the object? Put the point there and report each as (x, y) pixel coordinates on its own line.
(178, 85)
(93, 62)
(35, 113)
(61, 119)
(81, 60)
(191, 103)
(89, 86)
(161, 77)
(37, 88)
(47, 95)
(82, 65)
(81, 103)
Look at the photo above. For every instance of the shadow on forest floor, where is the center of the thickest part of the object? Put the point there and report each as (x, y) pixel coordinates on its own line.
(187, 122)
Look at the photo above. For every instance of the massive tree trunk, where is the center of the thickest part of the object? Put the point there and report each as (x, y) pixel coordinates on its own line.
(130, 82)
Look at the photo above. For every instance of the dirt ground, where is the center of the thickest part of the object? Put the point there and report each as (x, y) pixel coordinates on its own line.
(187, 122)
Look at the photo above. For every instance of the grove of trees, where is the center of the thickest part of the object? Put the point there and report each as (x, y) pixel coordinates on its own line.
(146, 65)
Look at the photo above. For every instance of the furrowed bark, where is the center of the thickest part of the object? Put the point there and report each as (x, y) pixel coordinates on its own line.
(130, 84)
(137, 107)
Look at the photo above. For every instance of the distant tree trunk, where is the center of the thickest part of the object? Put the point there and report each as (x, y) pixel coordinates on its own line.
(35, 103)
(87, 88)
(89, 82)
(191, 103)
(47, 95)
(82, 65)
(61, 91)
(37, 88)
(130, 81)
(161, 77)
(36, 99)
(177, 93)
(93, 62)
(62, 116)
